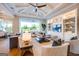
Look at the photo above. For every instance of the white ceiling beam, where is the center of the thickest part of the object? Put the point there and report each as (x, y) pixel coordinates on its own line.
(28, 16)
(60, 10)
(7, 12)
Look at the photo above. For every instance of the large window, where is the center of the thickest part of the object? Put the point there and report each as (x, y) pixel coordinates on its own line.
(5, 26)
(28, 26)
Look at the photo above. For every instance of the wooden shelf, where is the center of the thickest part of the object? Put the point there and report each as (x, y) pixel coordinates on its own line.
(69, 25)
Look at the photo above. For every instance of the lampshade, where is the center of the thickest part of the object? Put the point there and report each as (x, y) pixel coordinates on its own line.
(26, 37)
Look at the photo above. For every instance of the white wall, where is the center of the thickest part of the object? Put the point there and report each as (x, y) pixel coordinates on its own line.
(15, 24)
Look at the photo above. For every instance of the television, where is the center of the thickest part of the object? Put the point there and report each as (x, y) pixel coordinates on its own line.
(56, 27)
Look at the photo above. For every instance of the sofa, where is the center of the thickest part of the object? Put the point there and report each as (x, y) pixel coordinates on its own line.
(46, 49)
(74, 46)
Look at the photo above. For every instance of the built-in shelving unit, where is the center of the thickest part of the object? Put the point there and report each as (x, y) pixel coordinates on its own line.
(69, 25)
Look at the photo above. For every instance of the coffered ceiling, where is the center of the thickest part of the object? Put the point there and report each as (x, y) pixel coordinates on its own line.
(28, 10)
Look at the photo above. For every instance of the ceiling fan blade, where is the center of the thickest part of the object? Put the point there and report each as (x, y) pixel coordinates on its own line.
(32, 5)
(36, 6)
(41, 6)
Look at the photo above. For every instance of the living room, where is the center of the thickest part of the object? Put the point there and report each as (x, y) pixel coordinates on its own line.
(39, 29)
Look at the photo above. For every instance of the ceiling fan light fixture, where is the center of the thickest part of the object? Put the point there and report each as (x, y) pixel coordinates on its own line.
(37, 6)
(36, 10)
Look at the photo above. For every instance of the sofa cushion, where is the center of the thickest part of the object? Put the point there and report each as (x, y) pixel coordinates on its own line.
(57, 42)
(40, 40)
(74, 38)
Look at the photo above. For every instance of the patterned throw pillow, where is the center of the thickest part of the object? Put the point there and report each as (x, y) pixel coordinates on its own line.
(57, 42)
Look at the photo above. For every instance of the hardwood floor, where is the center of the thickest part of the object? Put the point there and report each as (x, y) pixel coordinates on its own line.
(18, 52)
(15, 52)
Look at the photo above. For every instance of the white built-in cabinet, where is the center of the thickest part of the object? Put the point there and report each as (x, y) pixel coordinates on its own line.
(68, 23)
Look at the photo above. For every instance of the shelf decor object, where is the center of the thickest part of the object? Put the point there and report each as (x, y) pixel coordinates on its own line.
(69, 25)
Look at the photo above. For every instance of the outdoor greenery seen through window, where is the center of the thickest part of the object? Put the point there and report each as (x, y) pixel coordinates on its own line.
(29, 26)
(5, 26)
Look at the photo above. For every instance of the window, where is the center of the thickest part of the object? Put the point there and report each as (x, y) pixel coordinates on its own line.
(1, 27)
(9, 27)
(28, 26)
(5, 26)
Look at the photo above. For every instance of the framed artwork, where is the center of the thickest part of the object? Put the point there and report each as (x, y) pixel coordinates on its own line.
(57, 27)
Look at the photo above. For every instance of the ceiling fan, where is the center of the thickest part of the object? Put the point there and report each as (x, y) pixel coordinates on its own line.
(37, 6)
